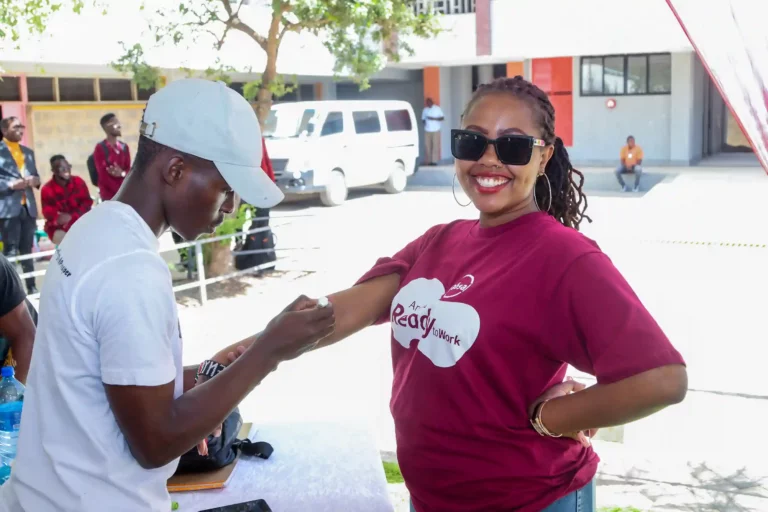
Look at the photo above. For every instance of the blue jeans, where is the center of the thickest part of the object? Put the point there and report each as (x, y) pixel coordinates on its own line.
(582, 500)
(637, 170)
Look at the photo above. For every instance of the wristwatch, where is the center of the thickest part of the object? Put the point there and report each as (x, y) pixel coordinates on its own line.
(209, 368)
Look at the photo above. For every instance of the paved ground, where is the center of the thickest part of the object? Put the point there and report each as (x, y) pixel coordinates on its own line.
(694, 245)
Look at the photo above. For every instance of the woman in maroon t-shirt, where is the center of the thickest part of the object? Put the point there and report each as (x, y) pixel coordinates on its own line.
(486, 316)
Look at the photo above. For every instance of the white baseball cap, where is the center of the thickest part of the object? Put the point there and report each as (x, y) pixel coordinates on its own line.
(209, 120)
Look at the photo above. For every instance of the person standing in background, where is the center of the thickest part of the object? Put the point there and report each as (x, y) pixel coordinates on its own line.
(112, 165)
(433, 118)
(18, 206)
(65, 198)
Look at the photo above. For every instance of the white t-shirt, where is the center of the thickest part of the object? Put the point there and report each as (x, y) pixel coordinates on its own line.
(107, 315)
(431, 125)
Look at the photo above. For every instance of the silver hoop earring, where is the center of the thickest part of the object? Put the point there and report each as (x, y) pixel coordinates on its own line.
(549, 188)
(454, 194)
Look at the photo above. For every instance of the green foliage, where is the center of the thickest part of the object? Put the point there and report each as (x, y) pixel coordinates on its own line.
(361, 34)
(392, 472)
(231, 225)
(132, 62)
(20, 16)
(618, 509)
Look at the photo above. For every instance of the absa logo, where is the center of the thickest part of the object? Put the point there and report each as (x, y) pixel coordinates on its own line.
(460, 287)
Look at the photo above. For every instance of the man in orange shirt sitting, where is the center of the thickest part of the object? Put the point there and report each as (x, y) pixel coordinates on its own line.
(631, 163)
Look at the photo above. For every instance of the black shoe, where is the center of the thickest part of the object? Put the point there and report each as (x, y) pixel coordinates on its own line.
(32, 290)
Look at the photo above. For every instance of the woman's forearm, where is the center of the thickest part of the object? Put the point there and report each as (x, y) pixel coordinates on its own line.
(360, 306)
(622, 402)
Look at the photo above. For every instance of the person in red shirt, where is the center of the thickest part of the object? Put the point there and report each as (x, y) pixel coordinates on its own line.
(114, 164)
(65, 199)
(486, 316)
(266, 163)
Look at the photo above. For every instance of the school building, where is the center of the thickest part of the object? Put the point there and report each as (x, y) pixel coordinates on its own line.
(611, 67)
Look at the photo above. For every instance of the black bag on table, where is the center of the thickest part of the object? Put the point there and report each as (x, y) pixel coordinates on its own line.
(223, 450)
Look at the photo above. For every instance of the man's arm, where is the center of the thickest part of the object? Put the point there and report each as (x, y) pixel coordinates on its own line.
(440, 116)
(19, 329)
(34, 178)
(134, 323)
(83, 198)
(159, 429)
(16, 323)
(48, 203)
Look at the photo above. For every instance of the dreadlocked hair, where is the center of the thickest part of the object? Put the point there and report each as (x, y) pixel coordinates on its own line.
(568, 201)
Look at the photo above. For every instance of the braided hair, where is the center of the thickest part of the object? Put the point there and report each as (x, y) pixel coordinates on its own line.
(568, 202)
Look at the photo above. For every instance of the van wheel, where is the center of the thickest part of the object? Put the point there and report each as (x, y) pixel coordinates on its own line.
(398, 180)
(335, 192)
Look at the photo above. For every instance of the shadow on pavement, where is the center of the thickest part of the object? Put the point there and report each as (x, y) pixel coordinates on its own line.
(705, 490)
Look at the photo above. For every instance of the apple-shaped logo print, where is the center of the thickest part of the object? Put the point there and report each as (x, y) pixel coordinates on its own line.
(443, 331)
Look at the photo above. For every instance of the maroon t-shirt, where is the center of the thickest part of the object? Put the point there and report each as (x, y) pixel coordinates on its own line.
(487, 319)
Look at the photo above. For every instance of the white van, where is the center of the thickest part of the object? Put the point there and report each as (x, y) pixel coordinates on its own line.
(328, 147)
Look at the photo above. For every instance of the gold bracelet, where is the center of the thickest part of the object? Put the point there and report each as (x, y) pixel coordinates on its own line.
(538, 426)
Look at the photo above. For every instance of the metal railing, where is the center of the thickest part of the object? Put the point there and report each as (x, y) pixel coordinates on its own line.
(201, 281)
(444, 6)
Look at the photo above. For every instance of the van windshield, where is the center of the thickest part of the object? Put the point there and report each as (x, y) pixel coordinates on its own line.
(286, 123)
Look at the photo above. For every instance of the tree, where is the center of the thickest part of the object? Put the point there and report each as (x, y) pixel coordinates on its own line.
(361, 35)
(17, 16)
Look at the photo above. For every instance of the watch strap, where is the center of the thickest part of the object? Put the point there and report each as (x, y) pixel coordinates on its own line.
(209, 369)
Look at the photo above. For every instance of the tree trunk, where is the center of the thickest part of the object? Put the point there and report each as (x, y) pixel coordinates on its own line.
(264, 98)
(221, 260)
(263, 103)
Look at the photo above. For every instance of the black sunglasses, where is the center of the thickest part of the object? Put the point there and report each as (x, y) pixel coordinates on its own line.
(511, 149)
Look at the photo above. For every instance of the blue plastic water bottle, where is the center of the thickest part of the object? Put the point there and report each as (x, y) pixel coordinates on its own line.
(11, 402)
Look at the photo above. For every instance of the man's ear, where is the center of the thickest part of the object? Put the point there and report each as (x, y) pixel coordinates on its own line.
(173, 170)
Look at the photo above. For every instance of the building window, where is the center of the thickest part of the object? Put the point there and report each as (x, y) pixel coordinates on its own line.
(617, 75)
(115, 89)
(40, 88)
(76, 89)
(9, 88)
(144, 94)
(444, 6)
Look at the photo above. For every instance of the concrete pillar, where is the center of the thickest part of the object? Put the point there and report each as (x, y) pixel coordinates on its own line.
(484, 73)
(681, 115)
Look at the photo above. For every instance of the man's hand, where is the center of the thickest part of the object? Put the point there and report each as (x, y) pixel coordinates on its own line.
(32, 181)
(19, 185)
(63, 219)
(563, 389)
(299, 328)
(202, 446)
(114, 171)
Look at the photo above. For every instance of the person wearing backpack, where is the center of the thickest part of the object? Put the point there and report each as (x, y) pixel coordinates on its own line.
(111, 158)
(261, 240)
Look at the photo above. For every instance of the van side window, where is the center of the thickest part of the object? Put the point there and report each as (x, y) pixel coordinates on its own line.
(398, 120)
(366, 122)
(334, 124)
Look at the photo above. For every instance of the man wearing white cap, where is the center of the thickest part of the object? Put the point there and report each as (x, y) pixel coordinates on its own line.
(109, 408)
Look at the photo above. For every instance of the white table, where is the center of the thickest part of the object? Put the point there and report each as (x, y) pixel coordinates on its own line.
(316, 467)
